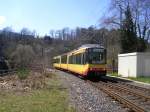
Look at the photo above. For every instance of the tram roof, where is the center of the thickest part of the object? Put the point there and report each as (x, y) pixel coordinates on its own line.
(91, 46)
(85, 46)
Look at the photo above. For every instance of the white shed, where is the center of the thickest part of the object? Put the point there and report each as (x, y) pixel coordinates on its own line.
(134, 64)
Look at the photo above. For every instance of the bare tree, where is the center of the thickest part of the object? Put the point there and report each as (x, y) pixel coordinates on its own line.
(52, 33)
(140, 12)
(25, 31)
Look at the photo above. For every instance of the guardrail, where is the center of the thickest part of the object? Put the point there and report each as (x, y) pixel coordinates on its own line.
(6, 72)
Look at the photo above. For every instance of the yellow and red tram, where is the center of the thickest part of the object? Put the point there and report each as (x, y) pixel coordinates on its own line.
(88, 60)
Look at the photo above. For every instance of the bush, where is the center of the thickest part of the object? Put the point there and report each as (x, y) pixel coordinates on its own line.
(22, 73)
(22, 56)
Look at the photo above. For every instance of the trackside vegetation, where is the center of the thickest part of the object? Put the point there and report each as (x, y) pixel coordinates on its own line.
(54, 100)
(53, 97)
(140, 79)
(23, 73)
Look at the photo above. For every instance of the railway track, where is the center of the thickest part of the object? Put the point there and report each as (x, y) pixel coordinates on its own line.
(125, 83)
(138, 88)
(128, 95)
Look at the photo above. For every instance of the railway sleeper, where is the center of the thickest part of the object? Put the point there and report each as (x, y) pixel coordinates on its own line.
(125, 89)
(135, 87)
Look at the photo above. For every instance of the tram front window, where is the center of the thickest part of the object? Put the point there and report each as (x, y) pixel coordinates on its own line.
(96, 56)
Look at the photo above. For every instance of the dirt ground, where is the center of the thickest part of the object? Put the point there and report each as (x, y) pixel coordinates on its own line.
(11, 83)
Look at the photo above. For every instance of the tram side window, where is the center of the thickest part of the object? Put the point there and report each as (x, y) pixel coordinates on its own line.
(64, 59)
(83, 59)
(78, 59)
(75, 59)
(56, 60)
(70, 59)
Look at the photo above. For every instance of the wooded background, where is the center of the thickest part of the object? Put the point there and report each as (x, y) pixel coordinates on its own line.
(124, 28)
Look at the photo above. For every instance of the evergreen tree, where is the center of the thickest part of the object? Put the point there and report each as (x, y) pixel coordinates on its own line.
(128, 33)
(142, 45)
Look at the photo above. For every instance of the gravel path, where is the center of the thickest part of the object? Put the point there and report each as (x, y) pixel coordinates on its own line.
(86, 98)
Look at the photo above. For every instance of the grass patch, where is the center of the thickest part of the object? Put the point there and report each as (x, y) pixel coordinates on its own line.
(22, 73)
(49, 99)
(114, 74)
(37, 101)
(141, 79)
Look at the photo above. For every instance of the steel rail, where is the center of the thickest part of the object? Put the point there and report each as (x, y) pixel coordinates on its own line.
(110, 79)
(119, 98)
(131, 91)
(136, 87)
